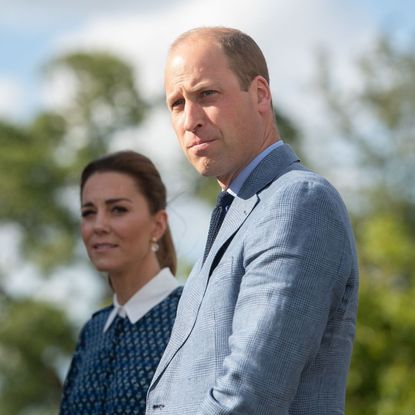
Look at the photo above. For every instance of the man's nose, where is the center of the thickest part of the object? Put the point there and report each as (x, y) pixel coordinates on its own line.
(193, 116)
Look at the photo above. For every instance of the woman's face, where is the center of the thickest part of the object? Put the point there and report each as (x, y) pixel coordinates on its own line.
(117, 226)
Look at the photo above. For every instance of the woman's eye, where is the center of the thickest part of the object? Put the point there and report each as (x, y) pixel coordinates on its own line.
(86, 213)
(119, 210)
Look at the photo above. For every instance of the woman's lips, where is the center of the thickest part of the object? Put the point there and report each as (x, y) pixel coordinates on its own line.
(104, 246)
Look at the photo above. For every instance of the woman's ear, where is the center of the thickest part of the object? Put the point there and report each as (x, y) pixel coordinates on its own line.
(160, 224)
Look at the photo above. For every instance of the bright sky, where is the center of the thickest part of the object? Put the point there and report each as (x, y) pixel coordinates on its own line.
(289, 32)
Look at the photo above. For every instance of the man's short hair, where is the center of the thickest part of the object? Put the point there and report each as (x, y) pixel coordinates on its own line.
(245, 57)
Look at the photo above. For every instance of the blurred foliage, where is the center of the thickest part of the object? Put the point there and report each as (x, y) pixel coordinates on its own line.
(382, 378)
(35, 339)
(377, 121)
(31, 182)
(105, 100)
(40, 164)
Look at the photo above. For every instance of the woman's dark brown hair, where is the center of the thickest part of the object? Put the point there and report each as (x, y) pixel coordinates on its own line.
(147, 178)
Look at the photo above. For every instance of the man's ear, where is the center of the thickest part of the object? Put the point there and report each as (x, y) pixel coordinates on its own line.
(263, 93)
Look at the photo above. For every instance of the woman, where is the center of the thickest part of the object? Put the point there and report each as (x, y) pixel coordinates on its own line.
(125, 232)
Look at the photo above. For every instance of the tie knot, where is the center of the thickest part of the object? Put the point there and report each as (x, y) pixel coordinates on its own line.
(224, 199)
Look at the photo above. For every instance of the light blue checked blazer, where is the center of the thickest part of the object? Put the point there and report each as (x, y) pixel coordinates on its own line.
(266, 325)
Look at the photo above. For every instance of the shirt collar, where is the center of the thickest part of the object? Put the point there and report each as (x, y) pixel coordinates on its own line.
(153, 293)
(239, 180)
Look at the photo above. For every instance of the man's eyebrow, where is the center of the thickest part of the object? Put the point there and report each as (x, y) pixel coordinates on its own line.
(173, 97)
(192, 89)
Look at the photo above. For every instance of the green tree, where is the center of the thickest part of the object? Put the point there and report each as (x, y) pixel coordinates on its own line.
(35, 338)
(105, 101)
(31, 182)
(376, 121)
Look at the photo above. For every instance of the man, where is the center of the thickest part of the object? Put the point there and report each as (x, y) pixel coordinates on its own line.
(267, 318)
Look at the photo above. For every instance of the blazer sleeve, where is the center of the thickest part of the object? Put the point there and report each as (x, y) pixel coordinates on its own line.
(296, 259)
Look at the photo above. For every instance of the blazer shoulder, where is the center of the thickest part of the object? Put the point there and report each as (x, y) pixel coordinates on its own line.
(298, 175)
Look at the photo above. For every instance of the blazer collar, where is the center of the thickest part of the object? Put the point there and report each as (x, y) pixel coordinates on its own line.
(271, 167)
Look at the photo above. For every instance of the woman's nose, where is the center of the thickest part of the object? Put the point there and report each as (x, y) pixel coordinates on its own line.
(101, 223)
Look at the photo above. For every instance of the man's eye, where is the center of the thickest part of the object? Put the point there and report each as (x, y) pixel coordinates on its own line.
(208, 93)
(177, 103)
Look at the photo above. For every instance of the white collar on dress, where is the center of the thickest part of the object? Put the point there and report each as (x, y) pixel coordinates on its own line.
(153, 293)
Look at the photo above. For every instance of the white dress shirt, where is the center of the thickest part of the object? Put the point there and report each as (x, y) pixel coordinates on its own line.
(153, 293)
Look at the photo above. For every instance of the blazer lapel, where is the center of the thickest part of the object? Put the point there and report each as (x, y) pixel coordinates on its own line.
(271, 167)
(235, 217)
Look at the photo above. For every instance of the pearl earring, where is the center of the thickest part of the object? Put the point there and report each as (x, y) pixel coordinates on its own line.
(154, 245)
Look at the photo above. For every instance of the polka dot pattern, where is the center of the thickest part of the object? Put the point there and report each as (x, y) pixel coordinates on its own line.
(111, 372)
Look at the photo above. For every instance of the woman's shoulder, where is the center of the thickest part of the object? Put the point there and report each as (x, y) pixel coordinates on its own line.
(102, 312)
(98, 319)
(177, 292)
(174, 296)
(170, 303)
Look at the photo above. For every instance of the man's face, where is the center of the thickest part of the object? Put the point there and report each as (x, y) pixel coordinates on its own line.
(215, 121)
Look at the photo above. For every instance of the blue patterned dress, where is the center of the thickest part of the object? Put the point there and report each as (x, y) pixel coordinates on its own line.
(111, 372)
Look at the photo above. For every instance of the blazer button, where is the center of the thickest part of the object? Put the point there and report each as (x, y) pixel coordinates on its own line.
(158, 406)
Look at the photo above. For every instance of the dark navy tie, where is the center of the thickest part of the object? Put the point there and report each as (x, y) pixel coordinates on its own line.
(223, 201)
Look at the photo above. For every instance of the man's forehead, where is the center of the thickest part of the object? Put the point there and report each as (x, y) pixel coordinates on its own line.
(195, 58)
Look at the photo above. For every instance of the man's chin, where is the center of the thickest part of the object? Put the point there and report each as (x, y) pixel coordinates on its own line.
(204, 169)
